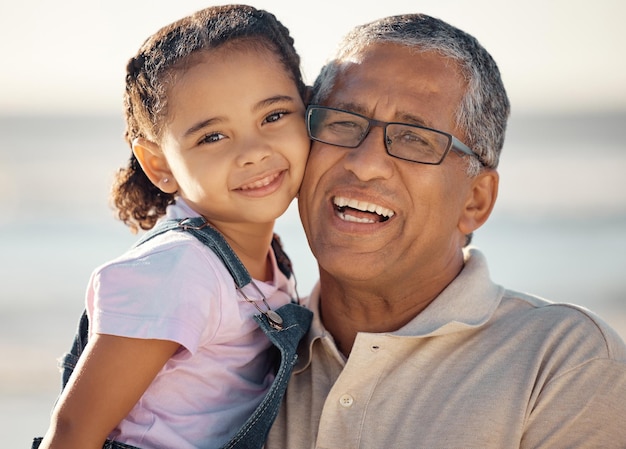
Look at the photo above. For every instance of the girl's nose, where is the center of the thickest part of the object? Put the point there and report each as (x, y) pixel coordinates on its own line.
(253, 150)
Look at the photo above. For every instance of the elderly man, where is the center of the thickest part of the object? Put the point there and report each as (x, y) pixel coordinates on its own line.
(413, 346)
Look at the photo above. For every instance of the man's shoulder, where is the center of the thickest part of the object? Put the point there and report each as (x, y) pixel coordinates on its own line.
(565, 323)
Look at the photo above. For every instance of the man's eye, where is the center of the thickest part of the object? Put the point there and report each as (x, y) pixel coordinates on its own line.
(412, 138)
(345, 127)
(346, 124)
(212, 138)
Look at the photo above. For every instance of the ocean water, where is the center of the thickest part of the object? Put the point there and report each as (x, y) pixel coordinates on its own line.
(558, 231)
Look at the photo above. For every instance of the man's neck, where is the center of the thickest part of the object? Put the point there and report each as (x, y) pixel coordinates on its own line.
(380, 301)
(345, 312)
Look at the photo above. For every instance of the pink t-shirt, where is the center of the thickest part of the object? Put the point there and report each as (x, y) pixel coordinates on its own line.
(175, 288)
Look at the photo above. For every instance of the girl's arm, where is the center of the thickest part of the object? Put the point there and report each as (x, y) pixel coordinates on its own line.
(111, 376)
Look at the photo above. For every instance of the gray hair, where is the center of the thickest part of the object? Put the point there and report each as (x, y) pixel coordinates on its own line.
(484, 109)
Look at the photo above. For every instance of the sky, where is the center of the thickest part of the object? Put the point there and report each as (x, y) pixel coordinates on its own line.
(68, 56)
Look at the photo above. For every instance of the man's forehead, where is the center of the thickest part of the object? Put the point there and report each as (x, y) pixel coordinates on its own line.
(404, 84)
(387, 59)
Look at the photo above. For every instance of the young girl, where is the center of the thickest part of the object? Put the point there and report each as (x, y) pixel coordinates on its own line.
(214, 111)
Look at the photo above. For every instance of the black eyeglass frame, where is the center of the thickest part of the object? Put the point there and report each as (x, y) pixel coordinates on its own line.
(453, 143)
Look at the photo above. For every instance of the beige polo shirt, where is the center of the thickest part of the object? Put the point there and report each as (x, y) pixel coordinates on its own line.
(481, 367)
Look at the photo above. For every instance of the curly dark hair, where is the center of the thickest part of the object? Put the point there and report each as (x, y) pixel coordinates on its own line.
(138, 202)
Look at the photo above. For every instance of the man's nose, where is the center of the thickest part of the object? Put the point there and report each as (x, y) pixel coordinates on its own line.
(370, 159)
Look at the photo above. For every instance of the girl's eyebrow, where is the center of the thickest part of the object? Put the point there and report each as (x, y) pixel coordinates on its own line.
(260, 105)
(273, 100)
(201, 124)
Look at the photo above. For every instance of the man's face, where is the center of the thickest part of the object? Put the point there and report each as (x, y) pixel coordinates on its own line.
(413, 231)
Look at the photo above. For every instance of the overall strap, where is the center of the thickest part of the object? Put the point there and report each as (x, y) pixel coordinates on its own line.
(211, 237)
(296, 320)
(201, 230)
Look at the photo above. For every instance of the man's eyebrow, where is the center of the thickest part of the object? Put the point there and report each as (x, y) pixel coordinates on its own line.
(352, 107)
(400, 117)
(413, 120)
(273, 100)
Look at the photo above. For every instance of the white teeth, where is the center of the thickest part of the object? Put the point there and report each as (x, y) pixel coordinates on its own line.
(355, 219)
(363, 206)
(260, 183)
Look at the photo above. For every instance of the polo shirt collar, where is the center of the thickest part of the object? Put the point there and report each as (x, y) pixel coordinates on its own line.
(469, 301)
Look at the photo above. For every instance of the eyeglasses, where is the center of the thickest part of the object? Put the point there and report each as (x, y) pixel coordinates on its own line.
(409, 142)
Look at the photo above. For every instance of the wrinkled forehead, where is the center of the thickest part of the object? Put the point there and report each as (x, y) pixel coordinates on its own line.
(395, 60)
(396, 81)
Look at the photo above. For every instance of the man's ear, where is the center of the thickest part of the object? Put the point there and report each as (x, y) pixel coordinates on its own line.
(480, 201)
(154, 164)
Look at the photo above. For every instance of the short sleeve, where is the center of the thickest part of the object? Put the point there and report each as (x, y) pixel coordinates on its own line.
(169, 290)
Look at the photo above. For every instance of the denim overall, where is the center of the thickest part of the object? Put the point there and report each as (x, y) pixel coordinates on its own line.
(296, 322)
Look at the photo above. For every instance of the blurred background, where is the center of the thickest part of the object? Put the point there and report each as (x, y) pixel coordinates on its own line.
(558, 230)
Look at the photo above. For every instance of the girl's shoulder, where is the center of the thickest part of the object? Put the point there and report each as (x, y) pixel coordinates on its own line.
(171, 258)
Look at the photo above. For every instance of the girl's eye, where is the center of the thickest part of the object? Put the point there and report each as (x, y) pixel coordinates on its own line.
(274, 117)
(212, 138)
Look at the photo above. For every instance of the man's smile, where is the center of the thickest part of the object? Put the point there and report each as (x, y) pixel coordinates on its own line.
(349, 209)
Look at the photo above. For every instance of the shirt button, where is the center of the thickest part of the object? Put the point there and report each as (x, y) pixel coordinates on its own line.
(346, 400)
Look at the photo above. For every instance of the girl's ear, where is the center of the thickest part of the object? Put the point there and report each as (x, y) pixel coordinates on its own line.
(154, 164)
(480, 201)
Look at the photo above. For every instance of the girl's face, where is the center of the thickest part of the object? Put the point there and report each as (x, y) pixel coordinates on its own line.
(235, 140)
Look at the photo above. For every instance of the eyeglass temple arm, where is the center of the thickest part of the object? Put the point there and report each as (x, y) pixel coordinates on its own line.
(457, 145)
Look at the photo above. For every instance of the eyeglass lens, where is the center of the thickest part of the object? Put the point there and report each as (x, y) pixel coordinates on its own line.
(408, 142)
